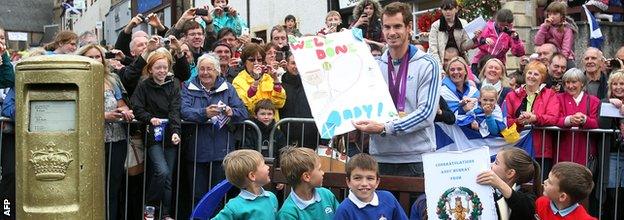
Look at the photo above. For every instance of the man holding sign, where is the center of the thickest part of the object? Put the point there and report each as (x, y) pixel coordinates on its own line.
(413, 78)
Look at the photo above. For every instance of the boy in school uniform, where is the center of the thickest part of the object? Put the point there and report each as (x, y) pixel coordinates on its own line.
(568, 183)
(307, 200)
(246, 170)
(365, 201)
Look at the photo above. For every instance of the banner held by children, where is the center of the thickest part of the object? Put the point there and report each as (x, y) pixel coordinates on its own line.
(342, 81)
(460, 197)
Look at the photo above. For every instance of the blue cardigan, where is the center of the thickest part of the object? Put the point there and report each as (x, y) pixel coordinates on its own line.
(388, 208)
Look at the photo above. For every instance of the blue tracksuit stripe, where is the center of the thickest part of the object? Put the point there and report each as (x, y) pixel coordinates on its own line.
(432, 96)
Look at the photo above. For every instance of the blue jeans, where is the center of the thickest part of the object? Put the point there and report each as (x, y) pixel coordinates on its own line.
(115, 157)
(162, 161)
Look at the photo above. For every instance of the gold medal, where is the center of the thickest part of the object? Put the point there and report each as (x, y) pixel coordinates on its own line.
(402, 114)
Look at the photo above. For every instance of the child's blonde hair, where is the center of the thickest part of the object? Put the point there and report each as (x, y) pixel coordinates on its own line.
(332, 13)
(489, 88)
(295, 161)
(238, 164)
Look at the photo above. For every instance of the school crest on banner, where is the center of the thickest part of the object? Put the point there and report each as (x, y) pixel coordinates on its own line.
(342, 81)
(460, 197)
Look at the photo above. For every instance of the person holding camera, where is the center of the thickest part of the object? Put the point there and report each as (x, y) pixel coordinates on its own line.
(126, 36)
(258, 80)
(448, 32)
(209, 96)
(366, 16)
(225, 15)
(497, 38)
(332, 23)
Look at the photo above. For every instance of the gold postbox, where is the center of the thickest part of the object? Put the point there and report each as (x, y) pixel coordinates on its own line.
(59, 138)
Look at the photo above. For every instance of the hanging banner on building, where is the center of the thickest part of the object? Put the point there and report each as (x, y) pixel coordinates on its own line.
(17, 36)
(342, 81)
(460, 197)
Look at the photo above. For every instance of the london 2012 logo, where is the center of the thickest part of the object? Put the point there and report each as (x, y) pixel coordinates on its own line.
(459, 203)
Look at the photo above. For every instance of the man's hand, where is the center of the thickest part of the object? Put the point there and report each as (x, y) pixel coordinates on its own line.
(369, 126)
(154, 21)
(135, 21)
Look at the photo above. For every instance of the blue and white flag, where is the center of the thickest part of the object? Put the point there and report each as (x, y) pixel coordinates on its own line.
(449, 93)
(595, 35)
(455, 138)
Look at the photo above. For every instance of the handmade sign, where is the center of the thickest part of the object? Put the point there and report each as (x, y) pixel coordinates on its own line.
(459, 197)
(342, 81)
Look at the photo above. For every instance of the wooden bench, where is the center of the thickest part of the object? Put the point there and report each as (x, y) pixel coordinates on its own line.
(336, 182)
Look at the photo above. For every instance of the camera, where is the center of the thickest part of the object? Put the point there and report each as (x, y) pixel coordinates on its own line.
(279, 56)
(109, 55)
(257, 40)
(226, 8)
(221, 109)
(201, 12)
(615, 63)
(144, 18)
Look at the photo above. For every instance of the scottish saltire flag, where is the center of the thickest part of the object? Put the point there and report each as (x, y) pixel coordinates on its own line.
(458, 138)
(449, 93)
(595, 35)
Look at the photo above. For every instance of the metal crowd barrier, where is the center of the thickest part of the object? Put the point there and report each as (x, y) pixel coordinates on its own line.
(602, 195)
(124, 212)
(184, 202)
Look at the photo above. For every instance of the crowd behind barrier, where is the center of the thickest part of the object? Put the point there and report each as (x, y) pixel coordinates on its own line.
(208, 67)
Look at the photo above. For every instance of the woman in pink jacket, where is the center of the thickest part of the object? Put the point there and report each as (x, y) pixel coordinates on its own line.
(578, 109)
(499, 37)
(534, 104)
(556, 30)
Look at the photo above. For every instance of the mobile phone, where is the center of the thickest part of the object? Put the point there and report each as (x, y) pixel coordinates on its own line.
(201, 12)
(109, 55)
(279, 56)
(256, 40)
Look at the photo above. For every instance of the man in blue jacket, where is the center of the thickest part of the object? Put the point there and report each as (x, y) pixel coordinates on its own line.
(414, 80)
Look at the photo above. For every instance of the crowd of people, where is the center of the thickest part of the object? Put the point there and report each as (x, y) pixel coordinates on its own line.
(206, 69)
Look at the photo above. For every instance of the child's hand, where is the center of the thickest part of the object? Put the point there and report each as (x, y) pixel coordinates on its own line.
(488, 109)
(474, 125)
(490, 178)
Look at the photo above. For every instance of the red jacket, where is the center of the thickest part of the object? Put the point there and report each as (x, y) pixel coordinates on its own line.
(574, 147)
(546, 109)
(542, 208)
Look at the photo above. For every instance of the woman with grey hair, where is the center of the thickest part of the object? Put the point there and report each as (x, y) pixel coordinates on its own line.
(208, 97)
(578, 109)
